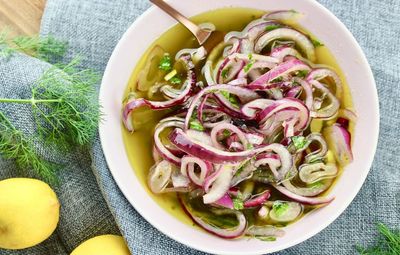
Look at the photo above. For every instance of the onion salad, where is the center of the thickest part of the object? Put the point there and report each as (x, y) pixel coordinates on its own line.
(237, 141)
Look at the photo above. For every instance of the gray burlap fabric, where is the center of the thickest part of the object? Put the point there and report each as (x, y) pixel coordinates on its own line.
(92, 203)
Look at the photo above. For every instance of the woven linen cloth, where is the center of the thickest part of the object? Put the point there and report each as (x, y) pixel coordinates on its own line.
(92, 204)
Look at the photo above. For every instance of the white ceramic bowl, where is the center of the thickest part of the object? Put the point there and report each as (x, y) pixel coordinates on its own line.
(320, 22)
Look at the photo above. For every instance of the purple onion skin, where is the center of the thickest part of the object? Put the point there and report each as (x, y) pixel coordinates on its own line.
(179, 139)
(186, 210)
(304, 200)
(257, 201)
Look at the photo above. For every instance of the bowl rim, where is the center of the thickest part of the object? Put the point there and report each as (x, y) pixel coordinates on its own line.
(375, 133)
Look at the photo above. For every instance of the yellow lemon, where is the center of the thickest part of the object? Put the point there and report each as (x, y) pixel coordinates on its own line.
(103, 245)
(29, 212)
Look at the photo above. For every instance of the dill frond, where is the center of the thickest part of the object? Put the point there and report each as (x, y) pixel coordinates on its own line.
(15, 145)
(65, 106)
(44, 48)
(387, 244)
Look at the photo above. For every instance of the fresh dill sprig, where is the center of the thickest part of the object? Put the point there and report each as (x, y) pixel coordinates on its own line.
(66, 113)
(64, 105)
(15, 145)
(44, 48)
(388, 243)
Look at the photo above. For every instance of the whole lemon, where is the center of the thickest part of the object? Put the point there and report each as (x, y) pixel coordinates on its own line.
(29, 212)
(103, 245)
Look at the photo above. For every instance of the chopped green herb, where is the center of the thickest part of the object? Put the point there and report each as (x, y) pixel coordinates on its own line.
(238, 203)
(387, 244)
(316, 43)
(250, 56)
(316, 185)
(226, 133)
(280, 207)
(249, 66)
(176, 80)
(299, 142)
(44, 48)
(277, 79)
(302, 73)
(225, 72)
(249, 146)
(165, 63)
(266, 238)
(232, 99)
(272, 27)
(196, 125)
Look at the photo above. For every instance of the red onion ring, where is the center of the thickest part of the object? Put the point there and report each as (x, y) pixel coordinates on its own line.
(339, 140)
(300, 39)
(187, 169)
(257, 200)
(284, 68)
(224, 233)
(304, 200)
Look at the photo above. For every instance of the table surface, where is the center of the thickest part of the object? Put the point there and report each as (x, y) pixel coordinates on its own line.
(21, 17)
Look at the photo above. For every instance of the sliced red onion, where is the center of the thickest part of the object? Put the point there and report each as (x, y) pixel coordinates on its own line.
(232, 67)
(287, 103)
(284, 15)
(207, 72)
(156, 156)
(339, 140)
(216, 156)
(265, 231)
(251, 109)
(225, 201)
(311, 173)
(257, 200)
(221, 232)
(294, 92)
(308, 92)
(293, 211)
(244, 94)
(238, 81)
(321, 152)
(254, 138)
(196, 54)
(321, 73)
(281, 52)
(263, 212)
(179, 180)
(272, 161)
(164, 152)
(159, 176)
(200, 136)
(233, 129)
(304, 200)
(157, 105)
(212, 177)
(253, 71)
(220, 186)
(256, 27)
(200, 109)
(292, 65)
(330, 110)
(347, 114)
(243, 172)
(188, 169)
(170, 92)
(259, 57)
(302, 41)
(312, 191)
